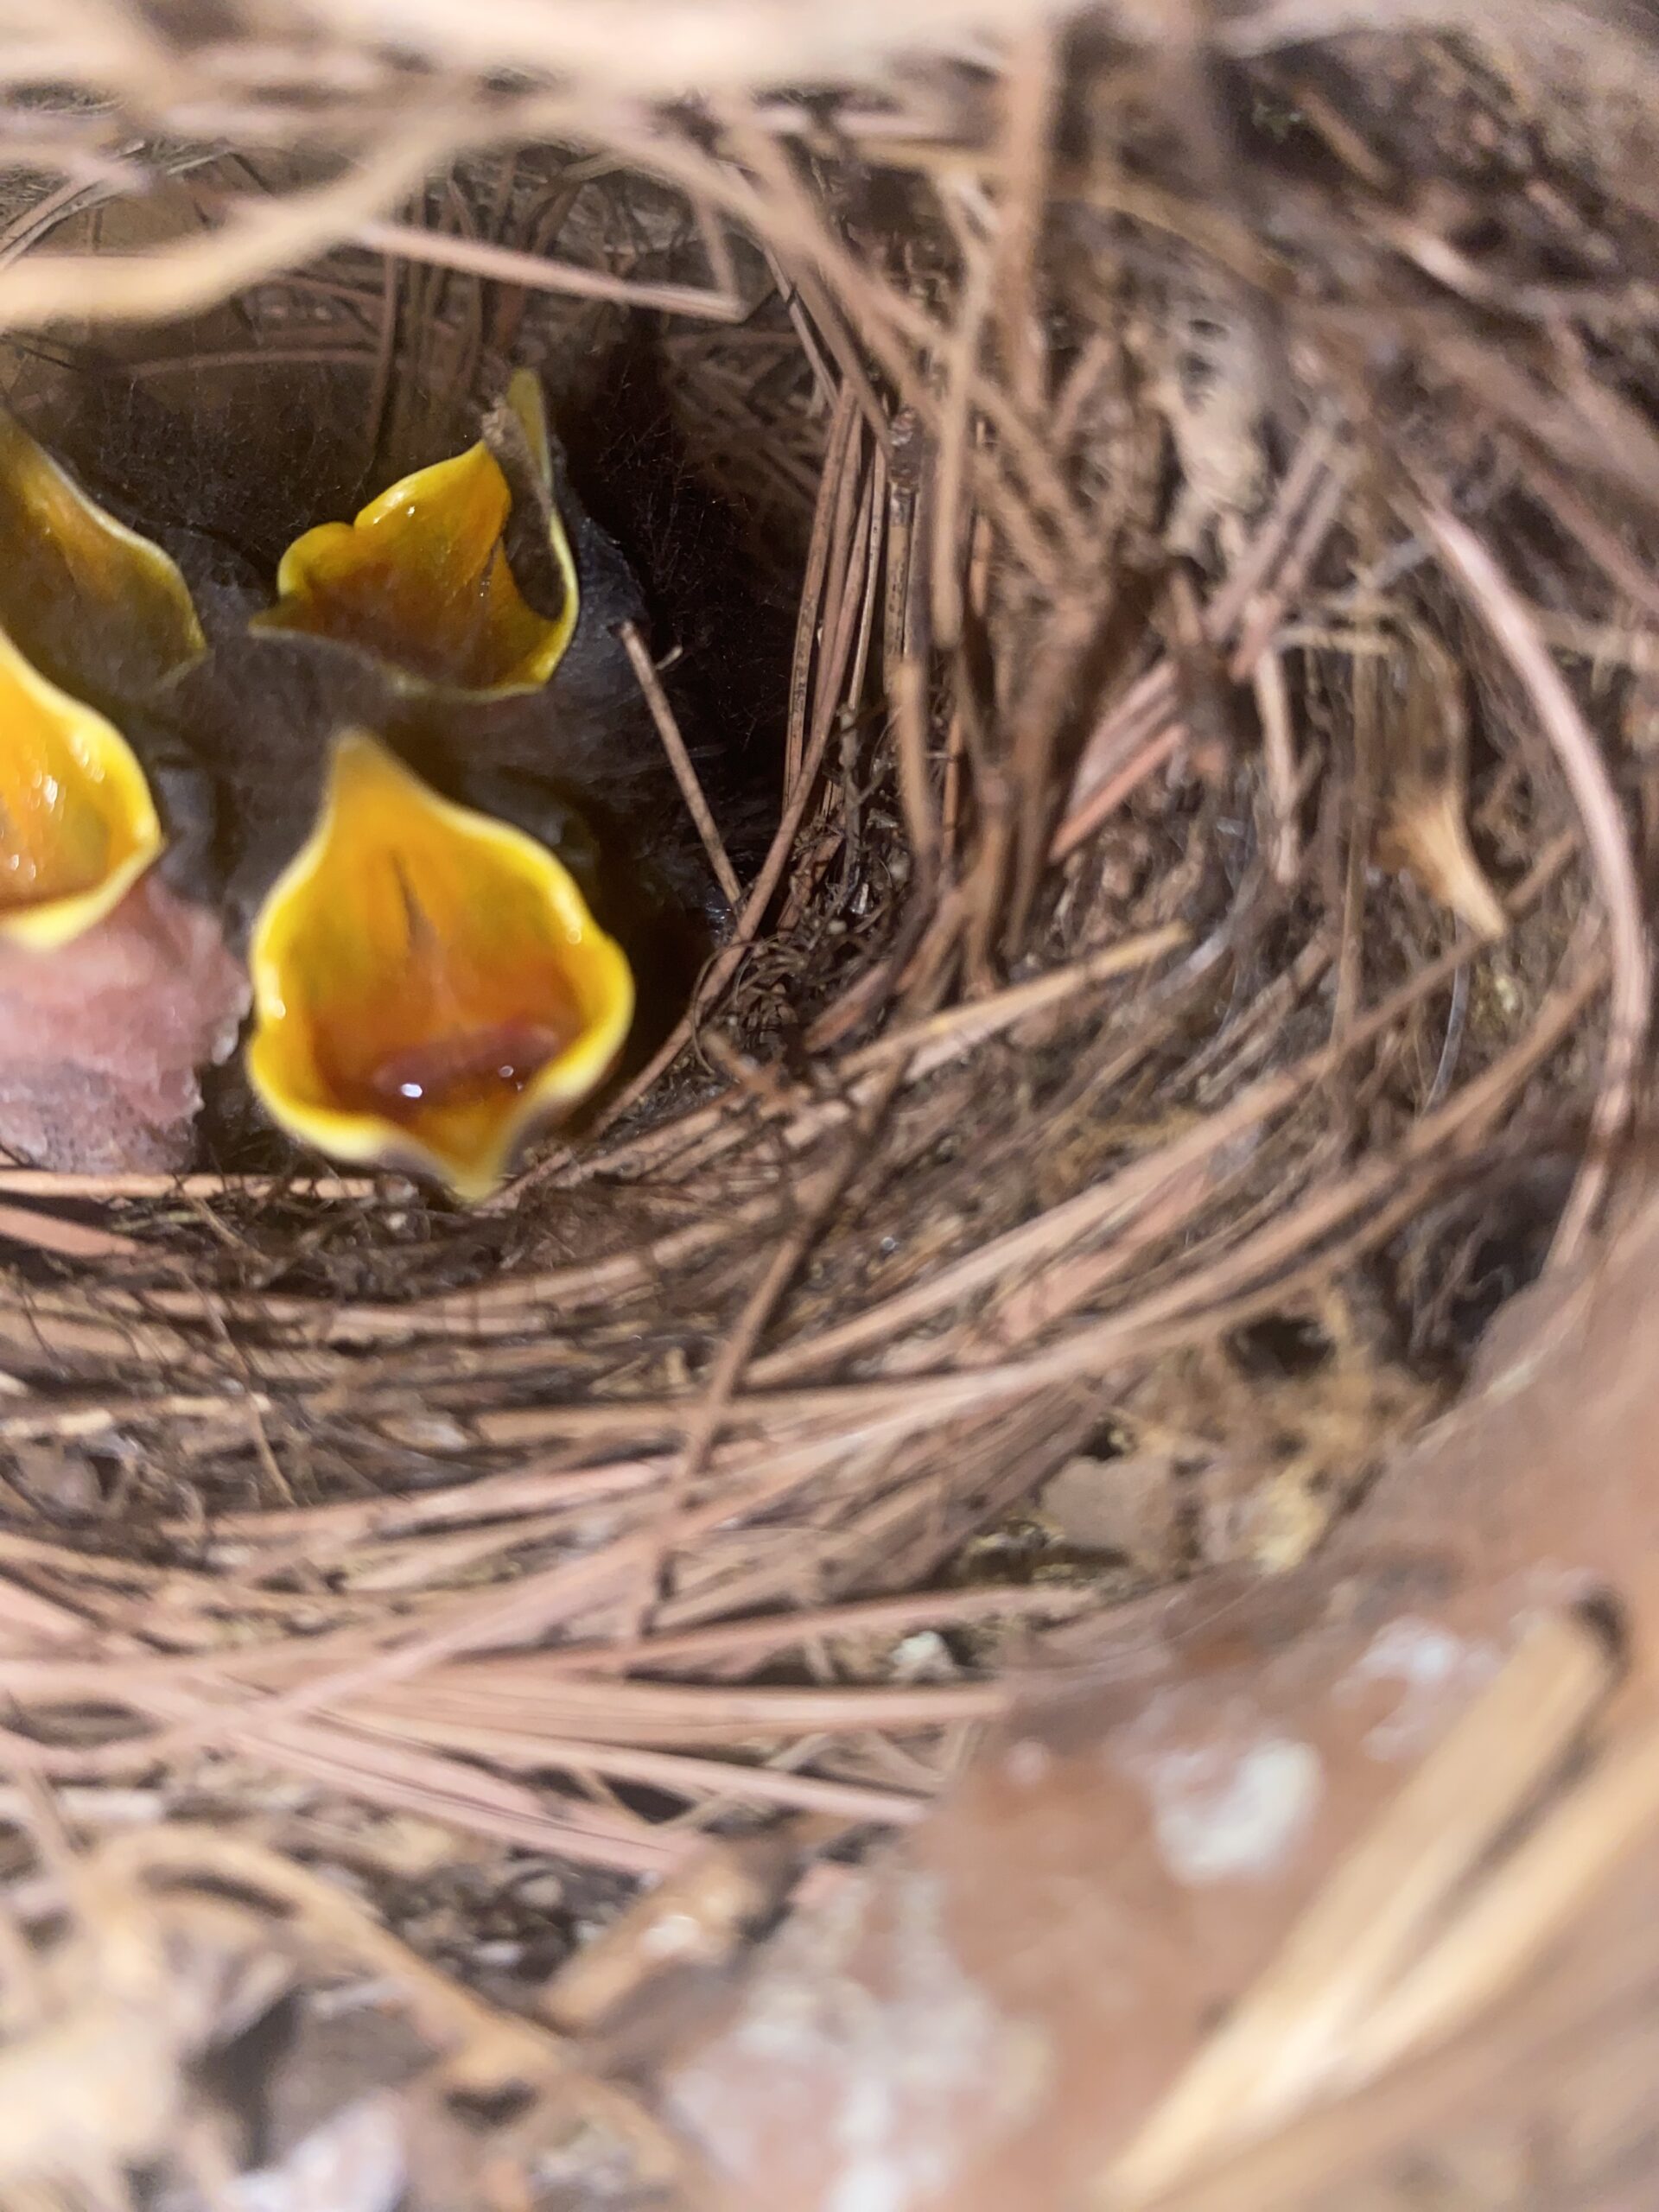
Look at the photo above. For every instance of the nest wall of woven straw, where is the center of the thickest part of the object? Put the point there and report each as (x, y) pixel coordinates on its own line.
(1157, 505)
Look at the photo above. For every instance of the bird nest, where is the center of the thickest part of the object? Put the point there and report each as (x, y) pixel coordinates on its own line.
(1148, 533)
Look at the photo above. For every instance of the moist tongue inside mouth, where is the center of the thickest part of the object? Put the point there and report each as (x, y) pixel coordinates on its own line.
(467, 1068)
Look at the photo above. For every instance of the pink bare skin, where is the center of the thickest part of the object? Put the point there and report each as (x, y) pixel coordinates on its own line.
(100, 1041)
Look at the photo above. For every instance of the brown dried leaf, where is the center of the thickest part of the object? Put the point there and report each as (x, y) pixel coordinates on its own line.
(1425, 829)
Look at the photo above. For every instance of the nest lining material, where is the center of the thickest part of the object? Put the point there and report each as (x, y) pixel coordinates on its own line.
(1208, 594)
(1259, 1067)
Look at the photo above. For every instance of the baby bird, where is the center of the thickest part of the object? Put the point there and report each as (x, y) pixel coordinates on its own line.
(428, 982)
(436, 785)
(113, 990)
(415, 808)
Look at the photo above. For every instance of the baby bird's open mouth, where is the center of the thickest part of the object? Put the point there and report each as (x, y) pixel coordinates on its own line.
(78, 824)
(421, 581)
(91, 615)
(94, 607)
(428, 982)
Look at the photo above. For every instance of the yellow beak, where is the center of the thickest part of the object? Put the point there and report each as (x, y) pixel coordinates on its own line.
(421, 579)
(78, 825)
(428, 982)
(88, 605)
(93, 605)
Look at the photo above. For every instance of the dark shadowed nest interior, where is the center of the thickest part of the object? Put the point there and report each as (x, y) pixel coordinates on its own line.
(1149, 526)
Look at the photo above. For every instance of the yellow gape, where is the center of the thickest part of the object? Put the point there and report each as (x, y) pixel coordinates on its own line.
(94, 606)
(78, 826)
(421, 579)
(88, 611)
(428, 983)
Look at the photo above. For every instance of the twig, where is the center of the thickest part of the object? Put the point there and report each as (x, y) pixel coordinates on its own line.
(1152, 753)
(680, 760)
(1030, 90)
(907, 696)
(1496, 601)
(809, 619)
(872, 529)
(51, 1183)
(1456, 1018)
(74, 1240)
(801, 323)
(1279, 760)
(960, 368)
(685, 1774)
(504, 264)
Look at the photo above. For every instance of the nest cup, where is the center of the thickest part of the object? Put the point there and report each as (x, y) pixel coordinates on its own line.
(1142, 536)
